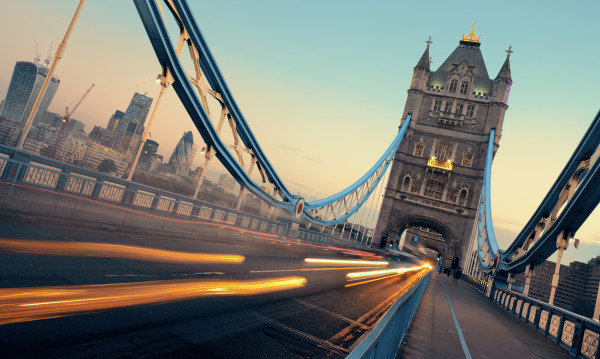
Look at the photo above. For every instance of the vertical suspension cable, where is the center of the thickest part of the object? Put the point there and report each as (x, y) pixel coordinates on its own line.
(371, 199)
(382, 184)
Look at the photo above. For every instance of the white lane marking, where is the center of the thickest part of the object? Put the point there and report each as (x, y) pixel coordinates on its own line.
(460, 334)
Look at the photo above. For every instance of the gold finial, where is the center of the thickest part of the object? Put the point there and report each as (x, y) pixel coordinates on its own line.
(430, 61)
(508, 52)
(429, 42)
(471, 37)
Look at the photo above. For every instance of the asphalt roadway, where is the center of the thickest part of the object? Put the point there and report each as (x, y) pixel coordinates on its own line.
(73, 290)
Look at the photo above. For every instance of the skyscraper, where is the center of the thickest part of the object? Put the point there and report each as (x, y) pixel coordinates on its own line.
(24, 88)
(183, 155)
(129, 130)
(148, 151)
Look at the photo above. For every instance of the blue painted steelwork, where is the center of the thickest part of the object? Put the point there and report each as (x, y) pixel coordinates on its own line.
(584, 169)
(485, 223)
(317, 212)
(569, 202)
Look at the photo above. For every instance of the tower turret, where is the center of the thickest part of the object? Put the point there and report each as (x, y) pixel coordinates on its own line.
(421, 71)
(503, 82)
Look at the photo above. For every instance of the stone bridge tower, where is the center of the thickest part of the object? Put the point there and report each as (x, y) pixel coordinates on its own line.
(437, 173)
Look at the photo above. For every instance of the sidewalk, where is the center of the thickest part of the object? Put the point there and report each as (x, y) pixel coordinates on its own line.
(486, 330)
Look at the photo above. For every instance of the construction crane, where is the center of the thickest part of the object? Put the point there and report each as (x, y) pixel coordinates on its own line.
(48, 59)
(65, 119)
(37, 58)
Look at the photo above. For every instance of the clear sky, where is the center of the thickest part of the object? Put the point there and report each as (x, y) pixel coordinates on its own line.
(323, 83)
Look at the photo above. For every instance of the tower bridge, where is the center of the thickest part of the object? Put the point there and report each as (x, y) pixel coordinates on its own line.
(110, 262)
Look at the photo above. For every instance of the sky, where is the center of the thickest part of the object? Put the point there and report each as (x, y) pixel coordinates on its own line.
(323, 83)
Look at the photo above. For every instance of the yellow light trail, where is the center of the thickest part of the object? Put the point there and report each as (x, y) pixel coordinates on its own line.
(28, 304)
(318, 261)
(385, 272)
(82, 249)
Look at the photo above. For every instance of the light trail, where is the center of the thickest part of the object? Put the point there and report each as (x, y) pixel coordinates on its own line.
(385, 272)
(348, 262)
(82, 249)
(28, 304)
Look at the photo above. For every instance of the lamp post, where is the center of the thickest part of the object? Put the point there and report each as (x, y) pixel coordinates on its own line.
(164, 80)
(57, 56)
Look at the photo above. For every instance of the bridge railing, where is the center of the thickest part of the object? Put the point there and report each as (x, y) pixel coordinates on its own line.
(476, 283)
(578, 334)
(385, 339)
(38, 178)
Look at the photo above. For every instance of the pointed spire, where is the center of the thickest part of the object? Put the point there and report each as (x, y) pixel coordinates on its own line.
(505, 69)
(425, 59)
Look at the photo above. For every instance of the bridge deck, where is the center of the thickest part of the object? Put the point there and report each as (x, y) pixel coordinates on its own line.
(488, 331)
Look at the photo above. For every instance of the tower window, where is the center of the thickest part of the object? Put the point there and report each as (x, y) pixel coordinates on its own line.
(452, 195)
(448, 107)
(443, 150)
(434, 189)
(415, 187)
(459, 109)
(437, 106)
(467, 159)
(464, 87)
(419, 149)
(470, 110)
(453, 85)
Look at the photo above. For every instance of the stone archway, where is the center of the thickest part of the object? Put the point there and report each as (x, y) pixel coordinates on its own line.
(448, 249)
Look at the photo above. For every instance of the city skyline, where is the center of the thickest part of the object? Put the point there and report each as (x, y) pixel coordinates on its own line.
(318, 95)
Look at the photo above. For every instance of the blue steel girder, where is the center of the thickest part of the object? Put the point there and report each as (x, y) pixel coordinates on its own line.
(571, 199)
(206, 81)
(487, 246)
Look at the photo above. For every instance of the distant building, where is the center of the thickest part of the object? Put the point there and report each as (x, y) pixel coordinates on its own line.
(128, 134)
(183, 155)
(114, 121)
(155, 162)
(95, 154)
(148, 151)
(227, 183)
(40, 139)
(10, 130)
(75, 125)
(51, 119)
(72, 147)
(577, 285)
(24, 88)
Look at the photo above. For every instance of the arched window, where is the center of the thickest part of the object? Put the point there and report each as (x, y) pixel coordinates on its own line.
(453, 85)
(419, 149)
(406, 184)
(464, 87)
(459, 109)
(443, 150)
(462, 196)
(448, 107)
(467, 159)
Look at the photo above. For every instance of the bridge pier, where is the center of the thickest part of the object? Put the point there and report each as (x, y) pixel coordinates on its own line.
(562, 242)
(528, 275)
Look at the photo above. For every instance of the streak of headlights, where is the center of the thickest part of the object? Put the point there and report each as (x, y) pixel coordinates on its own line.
(318, 261)
(28, 304)
(82, 249)
(385, 272)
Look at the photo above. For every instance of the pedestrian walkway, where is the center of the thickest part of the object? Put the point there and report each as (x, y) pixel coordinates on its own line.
(460, 322)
